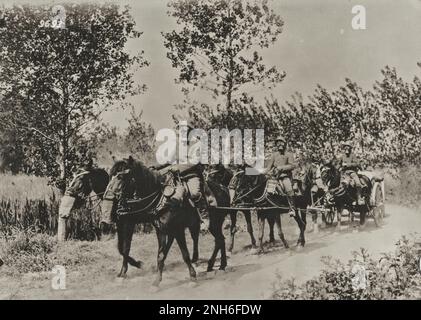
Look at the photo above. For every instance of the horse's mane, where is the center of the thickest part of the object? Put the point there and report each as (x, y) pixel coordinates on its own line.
(147, 180)
(118, 166)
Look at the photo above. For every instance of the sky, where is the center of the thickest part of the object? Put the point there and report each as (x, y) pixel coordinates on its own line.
(317, 46)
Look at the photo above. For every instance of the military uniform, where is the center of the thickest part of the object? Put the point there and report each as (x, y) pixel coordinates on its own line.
(350, 165)
(280, 165)
(191, 173)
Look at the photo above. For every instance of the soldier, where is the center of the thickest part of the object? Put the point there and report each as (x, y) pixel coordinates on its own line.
(192, 174)
(281, 164)
(350, 165)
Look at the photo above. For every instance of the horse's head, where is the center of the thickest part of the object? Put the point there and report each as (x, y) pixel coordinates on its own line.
(129, 178)
(218, 173)
(83, 183)
(245, 188)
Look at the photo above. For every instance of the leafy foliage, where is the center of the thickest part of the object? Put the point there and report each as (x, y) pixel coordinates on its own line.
(55, 81)
(395, 275)
(218, 43)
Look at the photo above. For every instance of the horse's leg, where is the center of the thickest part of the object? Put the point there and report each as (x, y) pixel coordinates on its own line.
(181, 240)
(339, 218)
(363, 214)
(247, 215)
(304, 220)
(233, 229)
(164, 244)
(261, 223)
(301, 226)
(195, 232)
(222, 243)
(125, 233)
(271, 221)
(215, 228)
(280, 233)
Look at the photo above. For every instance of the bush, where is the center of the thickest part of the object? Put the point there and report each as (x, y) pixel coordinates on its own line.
(394, 276)
(31, 252)
(28, 252)
(403, 187)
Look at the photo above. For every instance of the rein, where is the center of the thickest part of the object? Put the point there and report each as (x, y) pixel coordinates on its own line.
(157, 194)
(249, 192)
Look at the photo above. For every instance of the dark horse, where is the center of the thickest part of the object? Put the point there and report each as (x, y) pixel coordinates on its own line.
(342, 194)
(313, 193)
(129, 178)
(219, 177)
(251, 191)
(78, 193)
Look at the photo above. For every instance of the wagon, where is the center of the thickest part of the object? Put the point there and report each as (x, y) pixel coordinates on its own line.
(375, 203)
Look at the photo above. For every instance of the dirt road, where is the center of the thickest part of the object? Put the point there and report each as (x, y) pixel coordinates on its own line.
(248, 276)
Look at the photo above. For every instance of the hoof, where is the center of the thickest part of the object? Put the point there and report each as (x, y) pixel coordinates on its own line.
(299, 248)
(121, 276)
(254, 251)
(229, 253)
(221, 269)
(153, 288)
(193, 284)
(120, 280)
(156, 283)
(138, 264)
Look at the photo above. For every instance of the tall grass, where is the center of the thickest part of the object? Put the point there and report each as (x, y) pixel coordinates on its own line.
(22, 187)
(28, 203)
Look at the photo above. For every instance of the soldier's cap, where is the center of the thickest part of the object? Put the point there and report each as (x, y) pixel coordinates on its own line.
(188, 126)
(347, 144)
(280, 139)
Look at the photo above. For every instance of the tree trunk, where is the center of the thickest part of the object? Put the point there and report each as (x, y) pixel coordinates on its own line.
(61, 161)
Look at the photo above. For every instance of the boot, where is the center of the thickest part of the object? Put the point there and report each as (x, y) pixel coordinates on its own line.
(203, 212)
(291, 204)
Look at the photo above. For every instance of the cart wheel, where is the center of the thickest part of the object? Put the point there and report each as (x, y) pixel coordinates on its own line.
(378, 209)
(330, 215)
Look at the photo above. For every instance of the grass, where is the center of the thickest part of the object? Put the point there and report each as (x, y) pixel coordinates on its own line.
(28, 203)
(22, 187)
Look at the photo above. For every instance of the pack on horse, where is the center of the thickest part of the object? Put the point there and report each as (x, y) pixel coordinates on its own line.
(77, 194)
(129, 179)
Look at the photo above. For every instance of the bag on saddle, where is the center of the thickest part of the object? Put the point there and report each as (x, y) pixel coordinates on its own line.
(272, 186)
(173, 192)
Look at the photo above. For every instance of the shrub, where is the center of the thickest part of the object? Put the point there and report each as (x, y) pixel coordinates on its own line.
(395, 276)
(28, 252)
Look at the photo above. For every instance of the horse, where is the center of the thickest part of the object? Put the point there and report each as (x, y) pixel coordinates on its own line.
(342, 194)
(313, 191)
(218, 177)
(130, 177)
(251, 191)
(76, 195)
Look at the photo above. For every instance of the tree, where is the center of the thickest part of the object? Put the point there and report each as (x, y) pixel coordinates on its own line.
(57, 75)
(217, 47)
(139, 137)
(400, 103)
